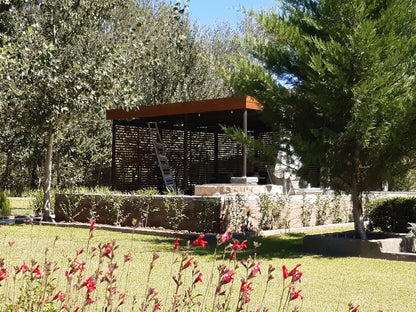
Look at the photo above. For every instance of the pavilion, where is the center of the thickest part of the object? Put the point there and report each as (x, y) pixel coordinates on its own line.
(196, 146)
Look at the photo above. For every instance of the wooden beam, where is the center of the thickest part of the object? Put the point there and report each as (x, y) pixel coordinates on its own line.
(171, 109)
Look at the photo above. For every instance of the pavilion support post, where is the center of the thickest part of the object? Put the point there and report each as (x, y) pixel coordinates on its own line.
(113, 157)
(185, 152)
(216, 151)
(244, 147)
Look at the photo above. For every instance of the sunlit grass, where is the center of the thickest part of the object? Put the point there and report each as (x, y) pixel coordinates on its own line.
(20, 206)
(328, 283)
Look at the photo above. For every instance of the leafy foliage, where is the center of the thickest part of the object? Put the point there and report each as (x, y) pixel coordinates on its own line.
(393, 214)
(4, 205)
(338, 86)
(63, 63)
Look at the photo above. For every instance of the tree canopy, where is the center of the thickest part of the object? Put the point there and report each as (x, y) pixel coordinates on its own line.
(337, 80)
(63, 63)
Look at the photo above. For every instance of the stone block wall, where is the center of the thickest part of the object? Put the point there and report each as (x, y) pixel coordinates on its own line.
(240, 212)
(202, 213)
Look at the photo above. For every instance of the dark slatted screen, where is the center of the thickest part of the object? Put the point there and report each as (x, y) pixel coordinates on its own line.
(135, 164)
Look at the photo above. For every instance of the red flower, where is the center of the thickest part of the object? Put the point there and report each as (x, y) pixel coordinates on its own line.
(232, 255)
(4, 274)
(59, 296)
(245, 286)
(285, 272)
(296, 277)
(24, 267)
(157, 306)
(198, 278)
(227, 277)
(37, 272)
(92, 226)
(90, 284)
(295, 294)
(356, 309)
(176, 244)
(225, 237)
(256, 269)
(127, 257)
(238, 246)
(108, 251)
(76, 266)
(200, 241)
(188, 263)
(89, 300)
(77, 309)
(294, 270)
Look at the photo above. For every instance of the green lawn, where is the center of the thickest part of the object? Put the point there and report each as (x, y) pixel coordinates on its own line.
(328, 284)
(21, 206)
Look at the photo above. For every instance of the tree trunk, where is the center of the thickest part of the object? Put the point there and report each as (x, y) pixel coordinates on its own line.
(357, 212)
(48, 179)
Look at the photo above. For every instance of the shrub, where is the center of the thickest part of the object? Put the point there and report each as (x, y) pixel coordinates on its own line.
(270, 211)
(322, 205)
(393, 214)
(175, 207)
(206, 217)
(4, 204)
(39, 201)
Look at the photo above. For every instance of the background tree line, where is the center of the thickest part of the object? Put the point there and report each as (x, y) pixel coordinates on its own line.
(63, 63)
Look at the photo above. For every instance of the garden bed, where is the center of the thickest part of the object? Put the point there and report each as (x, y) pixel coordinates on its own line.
(389, 246)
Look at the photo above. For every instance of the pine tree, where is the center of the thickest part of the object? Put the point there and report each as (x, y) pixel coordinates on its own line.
(337, 80)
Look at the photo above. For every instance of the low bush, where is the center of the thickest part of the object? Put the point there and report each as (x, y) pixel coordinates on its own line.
(4, 205)
(392, 214)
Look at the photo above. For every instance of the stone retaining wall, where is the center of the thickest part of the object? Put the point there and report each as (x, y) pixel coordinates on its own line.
(212, 213)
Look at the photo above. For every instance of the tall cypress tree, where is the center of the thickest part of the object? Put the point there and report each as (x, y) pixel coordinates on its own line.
(337, 80)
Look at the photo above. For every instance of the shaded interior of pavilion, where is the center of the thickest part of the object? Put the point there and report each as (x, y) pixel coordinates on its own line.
(198, 150)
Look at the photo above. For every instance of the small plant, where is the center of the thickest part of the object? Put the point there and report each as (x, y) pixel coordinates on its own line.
(270, 211)
(5, 210)
(206, 217)
(322, 205)
(145, 201)
(70, 208)
(335, 209)
(240, 216)
(114, 206)
(306, 211)
(175, 210)
(283, 202)
(37, 202)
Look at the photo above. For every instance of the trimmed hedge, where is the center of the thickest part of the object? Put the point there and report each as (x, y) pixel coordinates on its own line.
(393, 214)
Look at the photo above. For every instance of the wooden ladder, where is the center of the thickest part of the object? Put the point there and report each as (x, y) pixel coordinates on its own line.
(161, 155)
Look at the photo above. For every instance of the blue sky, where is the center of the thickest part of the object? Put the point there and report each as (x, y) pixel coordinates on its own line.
(209, 12)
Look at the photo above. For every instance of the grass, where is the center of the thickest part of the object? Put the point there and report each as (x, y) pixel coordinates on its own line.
(21, 206)
(328, 283)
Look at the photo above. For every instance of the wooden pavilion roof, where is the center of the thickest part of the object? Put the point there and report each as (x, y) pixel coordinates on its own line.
(182, 108)
(205, 115)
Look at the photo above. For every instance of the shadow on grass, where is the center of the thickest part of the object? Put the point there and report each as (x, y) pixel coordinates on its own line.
(277, 246)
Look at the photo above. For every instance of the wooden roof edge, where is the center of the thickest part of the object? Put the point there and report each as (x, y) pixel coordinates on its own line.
(192, 107)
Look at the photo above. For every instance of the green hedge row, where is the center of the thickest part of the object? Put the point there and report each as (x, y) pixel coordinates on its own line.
(393, 214)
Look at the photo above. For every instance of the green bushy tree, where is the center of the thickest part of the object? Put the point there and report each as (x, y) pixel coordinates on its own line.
(62, 64)
(337, 80)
